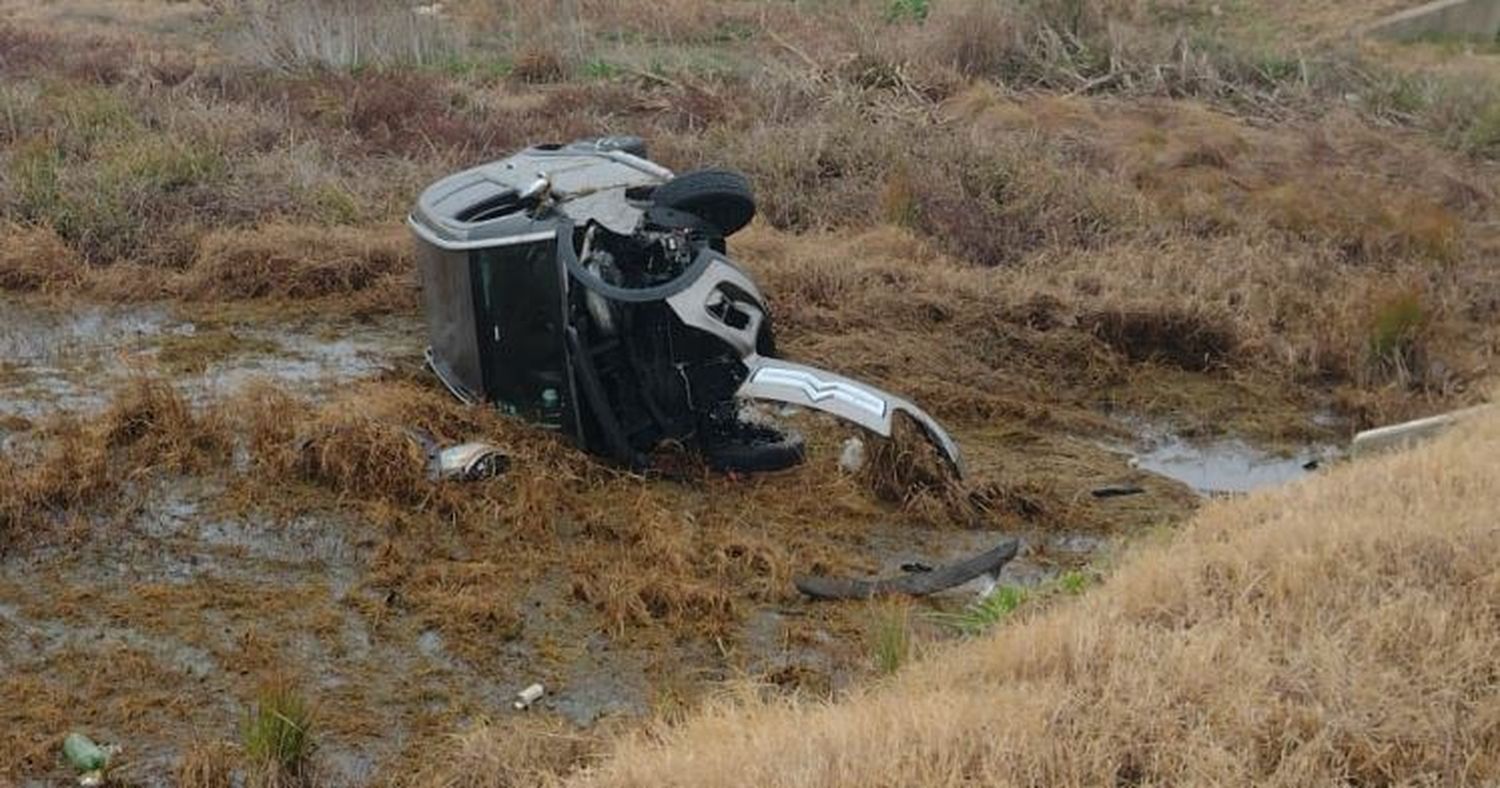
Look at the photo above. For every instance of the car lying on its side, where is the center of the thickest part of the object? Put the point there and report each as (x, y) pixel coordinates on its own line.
(586, 289)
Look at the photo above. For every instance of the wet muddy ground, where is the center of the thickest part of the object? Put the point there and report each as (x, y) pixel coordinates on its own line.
(151, 624)
(67, 357)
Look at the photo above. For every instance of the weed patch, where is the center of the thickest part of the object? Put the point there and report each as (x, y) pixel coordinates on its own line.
(279, 735)
(890, 636)
(981, 616)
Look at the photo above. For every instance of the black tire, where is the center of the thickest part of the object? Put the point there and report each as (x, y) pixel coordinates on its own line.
(722, 198)
(756, 450)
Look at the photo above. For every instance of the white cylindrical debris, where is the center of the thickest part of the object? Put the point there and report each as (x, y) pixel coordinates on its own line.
(1397, 436)
(528, 696)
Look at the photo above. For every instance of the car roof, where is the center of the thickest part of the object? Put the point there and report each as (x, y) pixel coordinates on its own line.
(589, 182)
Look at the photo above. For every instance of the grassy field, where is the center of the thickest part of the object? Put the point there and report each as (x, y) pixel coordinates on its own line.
(1047, 222)
(1337, 632)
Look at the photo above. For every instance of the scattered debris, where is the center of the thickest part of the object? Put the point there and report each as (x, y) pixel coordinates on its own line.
(913, 583)
(469, 462)
(1403, 435)
(852, 457)
(528, 696)
(90, 759)
(1117, 490)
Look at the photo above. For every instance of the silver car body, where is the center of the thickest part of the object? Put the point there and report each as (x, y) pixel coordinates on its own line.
(595, 181)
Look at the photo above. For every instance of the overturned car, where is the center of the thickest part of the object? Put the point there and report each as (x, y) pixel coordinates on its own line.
(586, 289)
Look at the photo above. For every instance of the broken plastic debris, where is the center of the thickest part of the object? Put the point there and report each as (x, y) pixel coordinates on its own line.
(1406, 434)
(940, 578)
(852, 458)
(1117, 490)
(470, 462)
(528, 696)
(87, 757)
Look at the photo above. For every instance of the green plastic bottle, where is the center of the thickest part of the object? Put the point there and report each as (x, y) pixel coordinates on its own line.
(84, 754)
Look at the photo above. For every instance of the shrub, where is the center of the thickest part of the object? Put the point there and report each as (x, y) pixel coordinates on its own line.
(279, 735)
(980, 616)
(539, 64)
(890, 636)
(1396, 325)
(906, 10)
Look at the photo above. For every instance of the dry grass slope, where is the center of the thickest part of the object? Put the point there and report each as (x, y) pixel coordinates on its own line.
(1341, 631)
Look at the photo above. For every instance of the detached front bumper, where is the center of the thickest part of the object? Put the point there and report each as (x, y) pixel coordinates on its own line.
(720, 289)
(863, 404)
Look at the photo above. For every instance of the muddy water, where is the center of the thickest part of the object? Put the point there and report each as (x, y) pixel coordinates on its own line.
(1229, 465)
(68, 357)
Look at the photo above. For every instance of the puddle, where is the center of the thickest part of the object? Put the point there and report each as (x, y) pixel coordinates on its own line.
(1227, 466)
(68, 357)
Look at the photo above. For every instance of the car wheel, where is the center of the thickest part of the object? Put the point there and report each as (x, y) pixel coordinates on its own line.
(720, 197)
(756, 449)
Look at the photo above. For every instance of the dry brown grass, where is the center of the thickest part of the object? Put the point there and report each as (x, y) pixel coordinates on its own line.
(1222, 248)
(1023, 342)
(148, 428)
(365, 270)
(35, 259)
(207, 764)
(515, 752)
(298, 262)
(1340, 630)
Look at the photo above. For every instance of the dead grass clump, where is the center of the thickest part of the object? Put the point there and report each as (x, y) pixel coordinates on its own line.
(898, 198)
(1367, 222)
(355, 454)
(1338, 630)
(405, 113)
(509, 753)
(635, 596)
(472, 603)
(296, 262)
(267, 418)
(1183, 338)
(36, 259)
(756, 564)
(147, 428)
(975, 37)
(909, 470)
(539, 65)
(808, 175)
(72, 470)
(647, 565)
(206, 764)
(1400, 323)
(150, 420)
